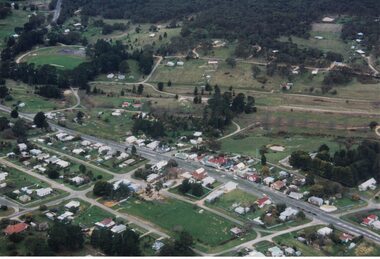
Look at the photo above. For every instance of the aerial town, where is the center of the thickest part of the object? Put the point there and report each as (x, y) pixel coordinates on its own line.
(190, 128)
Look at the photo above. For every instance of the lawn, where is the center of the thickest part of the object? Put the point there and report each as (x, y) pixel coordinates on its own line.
(236, 197)
(90, 215)
(134, 74)
(172, 215)
(7, 25)
(61, 57)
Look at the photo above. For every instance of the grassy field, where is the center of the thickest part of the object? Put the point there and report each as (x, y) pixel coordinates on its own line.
(90, 215)
(133, 76)
(61, 57)
(7, 25)
(250, 144)
(22, 93)
(172, 215)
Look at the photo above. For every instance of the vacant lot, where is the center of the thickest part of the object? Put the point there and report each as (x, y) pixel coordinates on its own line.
(172, 215)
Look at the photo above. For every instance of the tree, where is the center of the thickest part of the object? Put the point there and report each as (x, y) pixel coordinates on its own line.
(52, 173)
(231, 62)
(185, 187)
(80, 116)
(102, 188)
(19, 129)
(4, 123)
(82, 168)
(169, 83)
(300, 159)
(160, 86)
(40, 120)
(373, 125)
(133, 150)
(38, 246)
(197, 189)
(180, 247)
(140, 89)
(14, 114)
(263, 159)
(4, 91)
(67, 236)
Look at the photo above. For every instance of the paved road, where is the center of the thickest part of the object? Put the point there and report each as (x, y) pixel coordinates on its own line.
(57, 11)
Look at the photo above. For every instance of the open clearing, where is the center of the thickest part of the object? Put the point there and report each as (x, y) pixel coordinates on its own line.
(66, 57)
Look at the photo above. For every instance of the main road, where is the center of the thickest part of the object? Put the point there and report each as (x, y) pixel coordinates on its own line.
(256, 189)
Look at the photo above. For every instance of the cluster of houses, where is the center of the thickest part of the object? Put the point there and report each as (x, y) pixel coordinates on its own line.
(27, 194)
(135, 104)
(3, 178)
(133, 187)
(67, 215)
(153, 145)
(371, 221)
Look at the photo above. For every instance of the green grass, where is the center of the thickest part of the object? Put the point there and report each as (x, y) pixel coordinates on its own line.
(251, 144)
(7, 25)
(55, 57)
(22, 93)
(172, 215)
(133, 76)
(290, 240)
(89, 216)
(357, 218)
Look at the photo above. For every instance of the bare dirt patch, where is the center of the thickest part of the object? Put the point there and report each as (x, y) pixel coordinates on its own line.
(327, 27)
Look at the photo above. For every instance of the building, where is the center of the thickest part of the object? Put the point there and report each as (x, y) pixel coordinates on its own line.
(153, 145)
(315, 201)
(15, 229)
(369, 220)
(208, 181)
(236, 231)
(124, 182)
(229, 187)
(67, 216)
(213, 196)
(25, 198)
(263, 201)
(278, 185)
(345, 238)
(288, 214)
(44, 192)
(157, 245)
(22, 147)
(268, 180)
(325, 231)
(78, 151)
(152, 177)
(159, 165)
(275, 251)
(199, 174)
(295, 195)
(72, 204)
(369, 184)
(118, 229)
(105, 223)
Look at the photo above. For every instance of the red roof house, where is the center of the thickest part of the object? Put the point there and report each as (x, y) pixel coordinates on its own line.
(278, 185)
(199, 174)
(263, 201)
(14, 229)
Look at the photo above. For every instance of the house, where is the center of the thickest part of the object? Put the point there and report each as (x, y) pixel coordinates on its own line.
(289, 251)
(199, 174)
(158, 166)
(263, 201)
(118, 229)
(186, 175)
(105, 223)
(376, 225)
(288, 214)
(3, 176)
(62, 163)
(35, 152)
(152, 35)
(50, 215)
(170, 64)
(213, 62)
(131, 139)
(255, 253)
(275, 251)
(295, 195)
(359, 51)
(229, 187)
(66, 216)
(258, 221)
(78, 151)
(22, 147)
(197, 134)
(15, 229)
(152, 177)
(241, 210)
(44, 192)
(369, 220)
(315, 201)
(182, 156)
(369, 184)
(157, 245)
(25, 198)
(77, 180)
(325, 231)
(72, 204)
(213, 196)
(345, 238)
(328, 19)
(278, 185)
(135, 187)
(124, 182)
(236, 231)
(153, 145)
(85, 143)
(268, 180)
(180, 63)
(208, 181)
(283, 174)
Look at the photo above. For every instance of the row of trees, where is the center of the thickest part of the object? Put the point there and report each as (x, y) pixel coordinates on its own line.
(347, 166)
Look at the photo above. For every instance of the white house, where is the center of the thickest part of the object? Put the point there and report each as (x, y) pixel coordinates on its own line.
(35, 152)
(229, 187)
(208, 181)
(213, 196)
(118, 229)
(153, 145)
(276, 251)
(72, 204)
(67, 215)
(22, 146)
(316, 201)
(295, 195)
(78, 151)
(3, 176)
(268, 180)
(44, 192)
(288, 213)
(117, 184)
(158, 166)
(152, 177)
(325, 231)
(369, 184)
(131, 139)
(77, 180)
